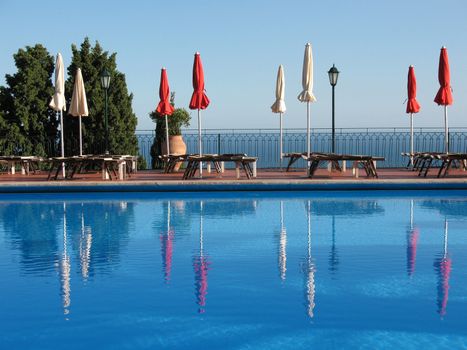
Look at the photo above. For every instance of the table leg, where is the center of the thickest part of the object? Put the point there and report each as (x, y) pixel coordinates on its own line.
(121, 170)
(237, 170)
(105, 172)
(208, 167)
(355, 169)
(254, 169)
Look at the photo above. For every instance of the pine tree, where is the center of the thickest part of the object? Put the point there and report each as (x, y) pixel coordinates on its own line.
(121, 118)
(27, 125)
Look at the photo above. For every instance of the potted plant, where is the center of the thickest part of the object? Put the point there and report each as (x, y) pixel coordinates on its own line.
(179, 118)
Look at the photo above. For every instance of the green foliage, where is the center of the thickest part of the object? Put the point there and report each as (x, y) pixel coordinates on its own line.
(27, 124)
(141, 163)
(179, 118)
(121, 118)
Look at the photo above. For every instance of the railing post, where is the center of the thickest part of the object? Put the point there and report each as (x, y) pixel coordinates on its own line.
(218, 143)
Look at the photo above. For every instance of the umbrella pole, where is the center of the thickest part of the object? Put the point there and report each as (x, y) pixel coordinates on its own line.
(282, 215)
(446, 132)
(411, 214)
(445, 238)
(280, 141)
(167, 135)
(80, 138)
(200, 151)
(201, 229)
(308, 146)
(411, 139)
(61, 142)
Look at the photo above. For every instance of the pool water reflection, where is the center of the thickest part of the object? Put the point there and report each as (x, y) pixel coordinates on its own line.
(328, 270)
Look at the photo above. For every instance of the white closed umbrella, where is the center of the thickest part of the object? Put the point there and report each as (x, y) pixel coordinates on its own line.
(79, 105)
(307, 93)
(58, 102)
(279, 105)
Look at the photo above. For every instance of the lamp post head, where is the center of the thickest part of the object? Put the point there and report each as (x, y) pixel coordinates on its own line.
(105, 79)
(333, 75)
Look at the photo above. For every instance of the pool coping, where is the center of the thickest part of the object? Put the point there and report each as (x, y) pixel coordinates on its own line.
(232, 185)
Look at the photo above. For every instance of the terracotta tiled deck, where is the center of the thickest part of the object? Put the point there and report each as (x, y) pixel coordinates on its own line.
(264, 175)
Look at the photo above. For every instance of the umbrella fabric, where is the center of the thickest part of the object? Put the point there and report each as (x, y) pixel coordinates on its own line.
(412, 103)
(444, 95)
(79, 105)
(166, 239)
(443, 269)
(58, 102)
(201, 267)
(412, 240)
(199, 100)
(307, 77)
(164, 107)
(279, 104)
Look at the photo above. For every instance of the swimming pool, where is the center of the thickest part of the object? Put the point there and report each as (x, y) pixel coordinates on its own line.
(328, 270)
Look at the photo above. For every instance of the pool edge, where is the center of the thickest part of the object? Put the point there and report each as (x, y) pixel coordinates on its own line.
(216, 186)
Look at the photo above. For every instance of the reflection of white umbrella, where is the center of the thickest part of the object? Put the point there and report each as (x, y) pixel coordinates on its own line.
(58, 102)
(65, 269)
(279, 104)
(282, 246)
(307, 94)
(79, 105)
(85, 244)
(310, 270)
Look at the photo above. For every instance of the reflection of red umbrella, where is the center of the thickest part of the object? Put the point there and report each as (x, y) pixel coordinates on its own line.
(444, 95)
(199, 100)
(164, 107)
(443, 268)
(412, 104)
(412, 240)
(167, 250)
(201, 266)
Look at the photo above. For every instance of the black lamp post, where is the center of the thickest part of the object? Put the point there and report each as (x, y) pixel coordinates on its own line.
(333, 75)
(105, 83)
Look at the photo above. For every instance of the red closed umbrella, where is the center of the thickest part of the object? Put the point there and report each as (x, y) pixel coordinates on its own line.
(199, 100)
(444, 95)
(164, 107)
(412, 104)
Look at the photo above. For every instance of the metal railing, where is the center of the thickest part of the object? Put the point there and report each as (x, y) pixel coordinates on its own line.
(264, 143)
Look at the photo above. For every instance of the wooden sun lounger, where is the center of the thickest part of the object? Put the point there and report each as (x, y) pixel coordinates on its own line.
(367, 162)
(423, 161)
(171, 161)
(248, 164)
(296, 156)
(447, 160)
(27, 163)
(112, 166)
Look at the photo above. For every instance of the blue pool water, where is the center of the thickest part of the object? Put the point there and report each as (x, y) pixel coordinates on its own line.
(375, 270)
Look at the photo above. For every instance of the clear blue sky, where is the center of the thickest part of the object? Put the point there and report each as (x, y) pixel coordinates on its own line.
(242, 42)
